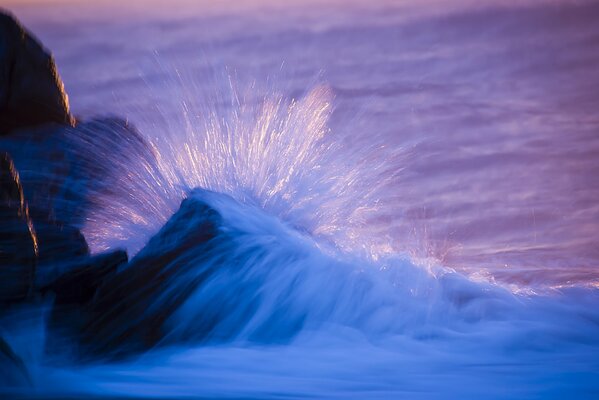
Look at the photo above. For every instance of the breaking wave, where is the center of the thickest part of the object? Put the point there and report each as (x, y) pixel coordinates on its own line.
(277, 275)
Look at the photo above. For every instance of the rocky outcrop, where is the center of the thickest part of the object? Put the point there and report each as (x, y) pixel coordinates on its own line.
(74, 286)
(18, 239)
(31, 91)
(130, 308)
(57, 242)
(42, 252)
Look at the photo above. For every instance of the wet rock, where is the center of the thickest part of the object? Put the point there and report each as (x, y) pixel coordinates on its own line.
(31, 91)
(30, 242)
(130, 309)
(77, 283)
(57, 242)
(74, 286)
(18, 240)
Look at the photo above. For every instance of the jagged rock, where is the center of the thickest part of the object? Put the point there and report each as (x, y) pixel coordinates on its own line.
(18, 241)
(57, 242)
(77, 283)
(31, 91)
(131, 307)
(28, 247)
(74, 287)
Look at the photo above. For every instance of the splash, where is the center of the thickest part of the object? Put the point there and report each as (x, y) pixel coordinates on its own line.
(270, 151)
(262, 291)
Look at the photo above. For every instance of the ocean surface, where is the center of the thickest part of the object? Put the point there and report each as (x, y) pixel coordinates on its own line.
(412, 188)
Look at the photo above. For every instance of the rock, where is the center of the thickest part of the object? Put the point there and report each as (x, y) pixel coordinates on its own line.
(18, 240)
(26, 250)
(31, 91)
(131, 307)
(66, 171)
(78, 283)
(57, 242)
(74, 287)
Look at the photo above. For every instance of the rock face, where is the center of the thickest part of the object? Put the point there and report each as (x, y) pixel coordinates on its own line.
(131, 307)
(31, 92)
(57, 242)
(36, 250)
(74, 287)
(41, 249)
(18, 240)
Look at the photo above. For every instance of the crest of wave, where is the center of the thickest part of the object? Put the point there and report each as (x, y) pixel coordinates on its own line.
(264, 149)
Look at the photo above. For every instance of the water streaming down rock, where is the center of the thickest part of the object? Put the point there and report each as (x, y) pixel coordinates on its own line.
(18, 239)
(220, 272)
(272, 157)
(200, 258)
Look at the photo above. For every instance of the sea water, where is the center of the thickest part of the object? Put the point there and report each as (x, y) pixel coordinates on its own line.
(412, 189)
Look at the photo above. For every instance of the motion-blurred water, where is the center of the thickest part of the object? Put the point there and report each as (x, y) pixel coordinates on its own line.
(401, 142)
(496, 103)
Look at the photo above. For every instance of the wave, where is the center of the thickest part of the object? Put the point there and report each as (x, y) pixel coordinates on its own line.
(263, 267)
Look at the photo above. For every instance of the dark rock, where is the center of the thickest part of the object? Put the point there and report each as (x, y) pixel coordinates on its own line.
(57, 242)
(31, 92)
(78, 283)
(18, 241)
(74, 287)
(26, 251)
(131, 307)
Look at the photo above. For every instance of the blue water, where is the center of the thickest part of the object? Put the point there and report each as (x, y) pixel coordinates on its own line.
(407, 193)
